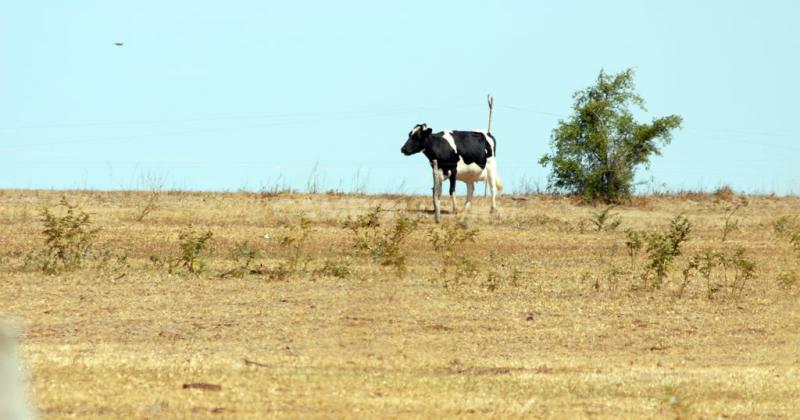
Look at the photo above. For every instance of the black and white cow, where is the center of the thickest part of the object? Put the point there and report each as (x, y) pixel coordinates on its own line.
(467, 156)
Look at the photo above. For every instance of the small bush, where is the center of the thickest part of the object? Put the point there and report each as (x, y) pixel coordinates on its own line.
(604, 220)
(192, 245)
(154, 185)
(722, 272)
(294, 243)
(499, 275)
(526, 222)
(68, 240)
(384, 244)
(447, 238)
(158, 262)
(633, 243)
(724, 193)
(679, 402)
(741, 268)
(492, 282)
(244, 256)
(148, 206)
(114, 259)
(788, 280)
(730, 224)
(663, 247)
(331, 268)
(788, 228)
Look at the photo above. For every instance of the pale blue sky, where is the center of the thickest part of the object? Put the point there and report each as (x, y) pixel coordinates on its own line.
(242, 94)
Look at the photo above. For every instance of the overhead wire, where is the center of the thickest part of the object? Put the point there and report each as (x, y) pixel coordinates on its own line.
(237, 117)
(359, 116)
(290, 119)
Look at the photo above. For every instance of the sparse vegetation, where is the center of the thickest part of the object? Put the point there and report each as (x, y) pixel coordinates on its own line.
(448, 240)
(331, 268)
(153, 184)
(293, 242)
(788, 279)
(69, 238)
(633, 243)
(192, 245)
(678, 402)
(535, 299)
(538, 221)
(500, 274)
(661, 248)
(244, 255)
(722, 272)
(384, 244)
(730, 224)
(280, 186)
(788, 228)
(604, 220)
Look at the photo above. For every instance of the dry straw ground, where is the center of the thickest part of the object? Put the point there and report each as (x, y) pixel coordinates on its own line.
(548, 317)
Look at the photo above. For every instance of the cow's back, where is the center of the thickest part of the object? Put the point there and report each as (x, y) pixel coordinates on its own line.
(474, 146)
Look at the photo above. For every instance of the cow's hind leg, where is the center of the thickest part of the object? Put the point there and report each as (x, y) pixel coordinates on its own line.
(470, 191)
(491, 180)
(453, 191)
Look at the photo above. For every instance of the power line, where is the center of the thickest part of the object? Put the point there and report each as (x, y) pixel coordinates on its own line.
(712, 130)
(241, 117)
(206, 130)
(748, 133)
(327, 116)
(532, 111)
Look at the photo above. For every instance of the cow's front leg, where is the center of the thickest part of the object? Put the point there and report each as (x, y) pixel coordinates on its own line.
(437, 191)
(453, 191)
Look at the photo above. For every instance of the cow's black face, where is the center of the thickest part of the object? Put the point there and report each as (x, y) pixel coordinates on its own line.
(416, 140)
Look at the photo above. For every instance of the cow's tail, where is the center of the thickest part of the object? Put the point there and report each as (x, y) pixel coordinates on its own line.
(498, 183)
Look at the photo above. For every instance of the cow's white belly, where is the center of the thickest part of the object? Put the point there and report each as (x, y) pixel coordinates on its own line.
(471, 172)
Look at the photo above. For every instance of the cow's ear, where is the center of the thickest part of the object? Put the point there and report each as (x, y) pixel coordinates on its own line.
(428, 132)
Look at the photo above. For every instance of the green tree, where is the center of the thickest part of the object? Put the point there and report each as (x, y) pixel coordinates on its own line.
(597, 150)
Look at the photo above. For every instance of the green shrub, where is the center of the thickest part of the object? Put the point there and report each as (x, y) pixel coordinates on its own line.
(69, 239)
(384, 244)
(788, 228)
(293, 242)
(604, 220)
(633, 242)
(244, 256)
(331, 268)
(730, 224)
(500, 273)
(663, 247)
(154, 185)
(192, 245)
(447, 239)
(722, 272)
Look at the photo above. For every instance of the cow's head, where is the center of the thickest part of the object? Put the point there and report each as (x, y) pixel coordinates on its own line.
(416, 139)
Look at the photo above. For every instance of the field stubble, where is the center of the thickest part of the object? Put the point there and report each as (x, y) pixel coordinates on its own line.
(565, 326)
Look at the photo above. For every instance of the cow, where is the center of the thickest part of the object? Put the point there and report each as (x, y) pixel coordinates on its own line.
(466, 156)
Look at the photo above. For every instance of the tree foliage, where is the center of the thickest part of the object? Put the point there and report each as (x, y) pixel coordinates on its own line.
(597, 150)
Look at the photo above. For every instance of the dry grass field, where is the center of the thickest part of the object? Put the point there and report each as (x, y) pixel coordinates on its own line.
(541, 316)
